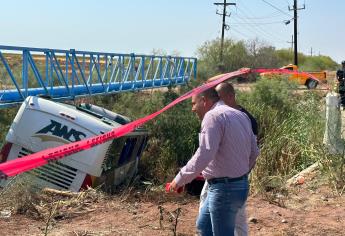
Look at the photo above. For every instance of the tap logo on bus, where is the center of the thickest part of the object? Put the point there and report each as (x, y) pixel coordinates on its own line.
(57, 132)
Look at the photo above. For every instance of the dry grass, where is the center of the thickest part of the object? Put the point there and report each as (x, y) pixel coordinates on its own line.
(21, 197)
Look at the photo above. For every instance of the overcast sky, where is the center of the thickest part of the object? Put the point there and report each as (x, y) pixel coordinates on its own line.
(139, 26)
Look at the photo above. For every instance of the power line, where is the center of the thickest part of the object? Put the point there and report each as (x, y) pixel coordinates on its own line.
(258, 19)
(276, 8)
(258, 29)
(270, 16)
(239, 32)
(287, 2)
(253, 28)
(248, 37)
(265, 37)
(251, 13)
(258, 23)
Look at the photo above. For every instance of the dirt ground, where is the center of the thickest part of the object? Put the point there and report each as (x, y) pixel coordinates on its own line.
(312, 208)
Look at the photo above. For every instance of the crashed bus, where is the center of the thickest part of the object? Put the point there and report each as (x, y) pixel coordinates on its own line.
(42, 123)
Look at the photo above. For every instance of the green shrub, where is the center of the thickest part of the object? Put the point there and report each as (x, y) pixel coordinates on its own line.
(6, 119)
(291, 127)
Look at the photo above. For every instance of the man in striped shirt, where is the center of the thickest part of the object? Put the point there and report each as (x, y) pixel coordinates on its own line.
(227, 152)
(226, 93)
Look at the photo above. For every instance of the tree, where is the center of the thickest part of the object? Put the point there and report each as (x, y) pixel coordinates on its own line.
(235, 57)
(261, 54)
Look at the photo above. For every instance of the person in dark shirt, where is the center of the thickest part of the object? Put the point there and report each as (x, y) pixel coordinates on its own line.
(341, 83)
(340, 72)
(226, 93)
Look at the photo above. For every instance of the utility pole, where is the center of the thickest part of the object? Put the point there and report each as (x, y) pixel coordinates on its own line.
(291, 48)
(311, 51)
(224, 27)
(295, 9)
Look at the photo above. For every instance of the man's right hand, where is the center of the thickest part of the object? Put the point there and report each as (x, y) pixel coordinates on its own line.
(172, 187)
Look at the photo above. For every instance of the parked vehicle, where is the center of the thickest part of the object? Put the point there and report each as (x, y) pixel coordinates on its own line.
(309, 79)
(41, 123)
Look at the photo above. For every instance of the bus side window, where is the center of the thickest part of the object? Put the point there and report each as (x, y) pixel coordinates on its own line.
(113, 154)
(142, 146)
(127, 151)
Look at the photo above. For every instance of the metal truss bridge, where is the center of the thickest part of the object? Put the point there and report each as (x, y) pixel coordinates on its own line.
(67, 74)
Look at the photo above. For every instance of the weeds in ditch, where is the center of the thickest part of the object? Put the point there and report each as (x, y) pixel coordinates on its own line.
(291, 127)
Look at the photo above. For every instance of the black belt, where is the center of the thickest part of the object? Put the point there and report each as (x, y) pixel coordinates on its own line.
(226, 179)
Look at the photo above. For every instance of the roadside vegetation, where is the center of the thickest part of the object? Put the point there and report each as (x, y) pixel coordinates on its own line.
(6, 119)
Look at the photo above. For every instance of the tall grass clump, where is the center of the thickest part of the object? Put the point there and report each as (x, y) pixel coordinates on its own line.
(291, 126)
(19, 196)
(173, 139)
(6, 119)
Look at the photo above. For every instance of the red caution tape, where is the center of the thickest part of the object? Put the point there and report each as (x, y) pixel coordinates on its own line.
(20, 165)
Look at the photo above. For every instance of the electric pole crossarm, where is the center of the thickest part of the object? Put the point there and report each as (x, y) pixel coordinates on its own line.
(224, 4)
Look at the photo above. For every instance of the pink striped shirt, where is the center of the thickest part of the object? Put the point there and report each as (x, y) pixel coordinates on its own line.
(227, 146)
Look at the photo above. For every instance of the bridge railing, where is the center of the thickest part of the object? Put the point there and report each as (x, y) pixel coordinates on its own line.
(67, 74)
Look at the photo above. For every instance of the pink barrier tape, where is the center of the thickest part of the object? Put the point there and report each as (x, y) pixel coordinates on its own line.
(35, 160)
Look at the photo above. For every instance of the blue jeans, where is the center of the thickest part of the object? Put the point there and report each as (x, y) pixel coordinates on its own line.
(218, 213)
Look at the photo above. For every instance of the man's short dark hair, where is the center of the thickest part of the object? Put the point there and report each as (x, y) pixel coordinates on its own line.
(210, 94)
